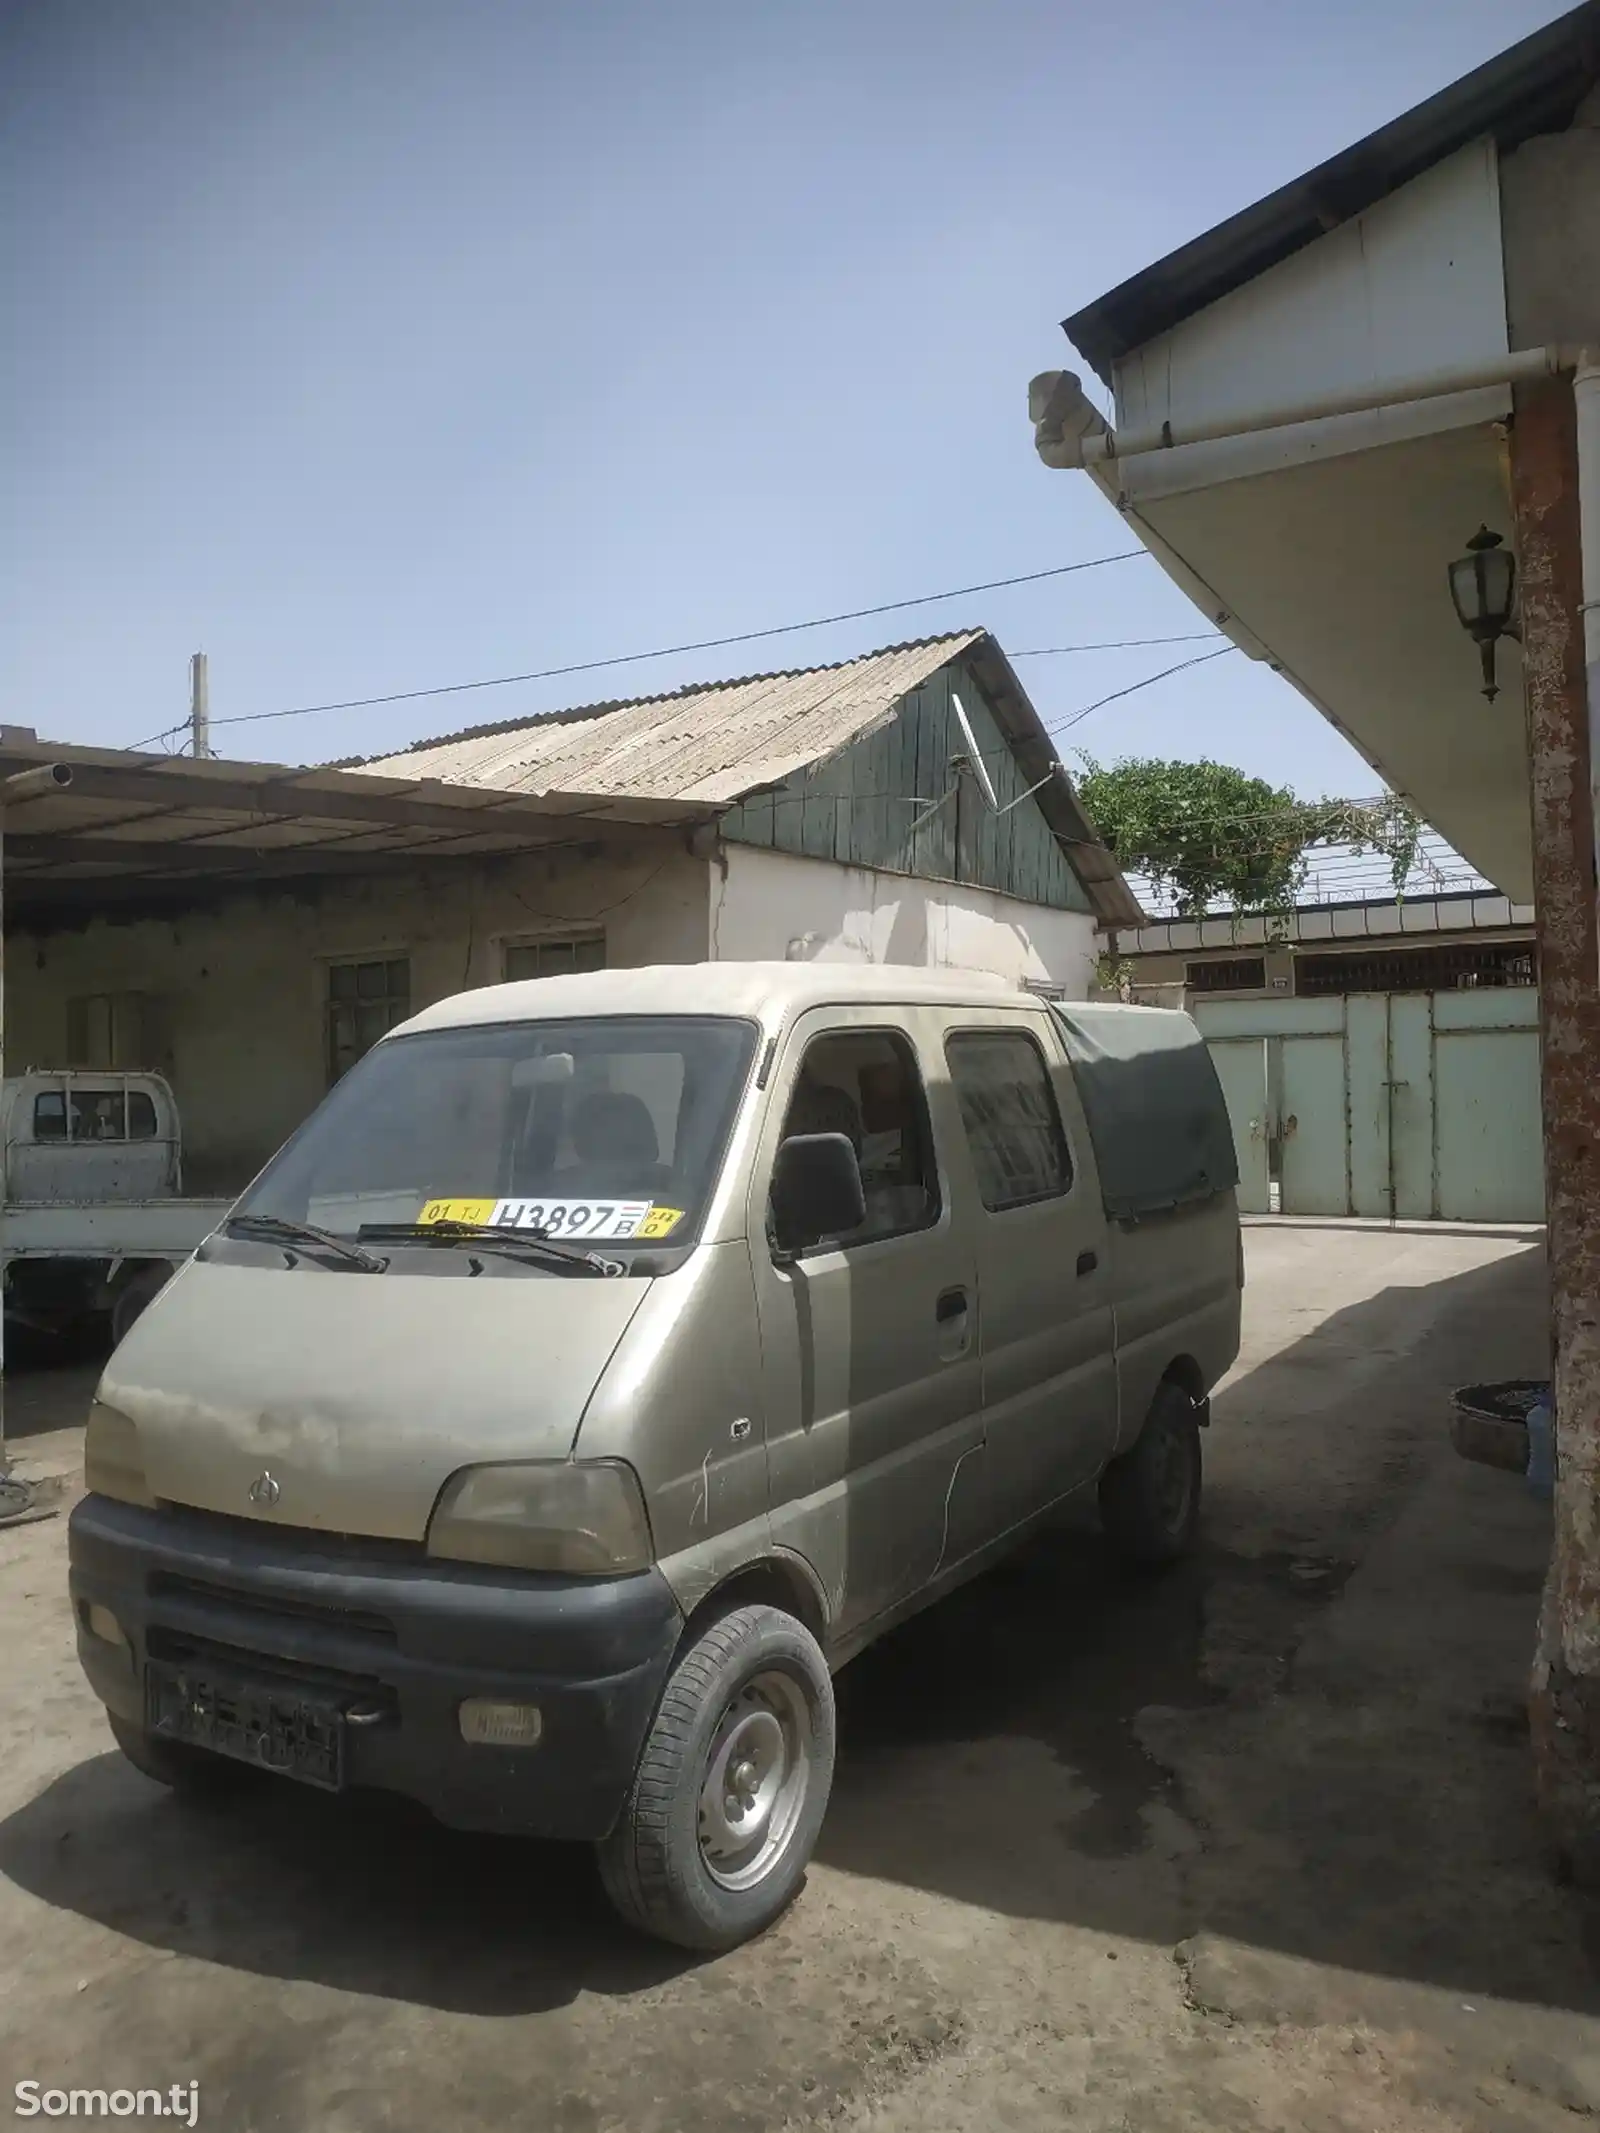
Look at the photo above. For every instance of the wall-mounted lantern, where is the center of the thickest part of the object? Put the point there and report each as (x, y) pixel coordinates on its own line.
(1483, 586)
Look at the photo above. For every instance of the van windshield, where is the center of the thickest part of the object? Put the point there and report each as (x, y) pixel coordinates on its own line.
(606, 1127)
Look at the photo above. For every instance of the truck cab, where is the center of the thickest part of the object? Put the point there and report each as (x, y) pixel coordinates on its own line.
(89, 1137)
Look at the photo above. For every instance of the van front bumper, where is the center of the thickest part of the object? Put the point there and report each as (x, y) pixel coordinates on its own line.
(376, 1627)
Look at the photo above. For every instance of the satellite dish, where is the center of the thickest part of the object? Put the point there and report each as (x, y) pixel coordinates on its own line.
(979, 770)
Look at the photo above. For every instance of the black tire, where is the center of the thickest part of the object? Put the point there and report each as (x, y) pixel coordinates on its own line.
(1150, 1497)
(667, 1864)
(193, 1773)
(137, 1293)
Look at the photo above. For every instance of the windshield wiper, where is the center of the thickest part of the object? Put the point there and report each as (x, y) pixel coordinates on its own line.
(304, 1236)
(497, 1237)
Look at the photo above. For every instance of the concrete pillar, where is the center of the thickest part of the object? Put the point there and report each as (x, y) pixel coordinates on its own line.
(1565, 1694)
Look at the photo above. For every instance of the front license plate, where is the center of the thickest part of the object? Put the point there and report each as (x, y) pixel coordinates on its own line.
(250, 1721)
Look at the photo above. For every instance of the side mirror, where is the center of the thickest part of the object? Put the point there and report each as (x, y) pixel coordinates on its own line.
(816, 1190)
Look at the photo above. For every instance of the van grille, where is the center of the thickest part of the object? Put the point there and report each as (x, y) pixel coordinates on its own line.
(176, 1648)
(348, 1621)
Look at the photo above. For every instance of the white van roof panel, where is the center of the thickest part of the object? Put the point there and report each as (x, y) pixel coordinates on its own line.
(765, 992)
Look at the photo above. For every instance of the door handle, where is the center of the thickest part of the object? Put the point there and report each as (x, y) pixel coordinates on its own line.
(1087, 1262)
(952, 1315)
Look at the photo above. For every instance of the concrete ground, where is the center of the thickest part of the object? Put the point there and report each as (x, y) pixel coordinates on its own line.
(1248, 1847)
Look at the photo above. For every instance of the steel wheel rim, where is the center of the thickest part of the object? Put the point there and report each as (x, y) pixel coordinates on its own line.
(757, 1774)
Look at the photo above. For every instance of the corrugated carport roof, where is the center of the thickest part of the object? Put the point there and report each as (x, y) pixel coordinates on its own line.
(147, 821)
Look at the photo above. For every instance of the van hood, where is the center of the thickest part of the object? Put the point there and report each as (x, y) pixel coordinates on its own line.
(359, 1395)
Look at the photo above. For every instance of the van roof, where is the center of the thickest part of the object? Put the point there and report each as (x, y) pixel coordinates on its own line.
(1122, 1012)
(766, 992)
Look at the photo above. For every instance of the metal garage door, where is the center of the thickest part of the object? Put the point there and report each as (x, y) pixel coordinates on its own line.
(1414, 1105)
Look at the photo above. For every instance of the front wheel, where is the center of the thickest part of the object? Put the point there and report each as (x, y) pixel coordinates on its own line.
(731, 1786)
(1150, 1497)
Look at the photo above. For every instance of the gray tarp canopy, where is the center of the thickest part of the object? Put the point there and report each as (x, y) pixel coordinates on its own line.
(1154, 1105)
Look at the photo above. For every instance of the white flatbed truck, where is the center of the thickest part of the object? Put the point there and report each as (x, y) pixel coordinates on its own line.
(95, 1218)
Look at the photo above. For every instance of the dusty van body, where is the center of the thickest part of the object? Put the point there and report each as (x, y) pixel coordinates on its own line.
(610, 1357)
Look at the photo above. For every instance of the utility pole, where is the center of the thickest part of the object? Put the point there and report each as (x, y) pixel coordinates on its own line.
(16, 1497)
(199, 705)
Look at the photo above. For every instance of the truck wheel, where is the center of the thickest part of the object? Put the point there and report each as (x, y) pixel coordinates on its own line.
(192, 1772)
(731, 1786)
(1150, 1497)
(135, 1295)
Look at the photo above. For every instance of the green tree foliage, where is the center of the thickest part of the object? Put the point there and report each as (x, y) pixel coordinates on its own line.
(1212, 838)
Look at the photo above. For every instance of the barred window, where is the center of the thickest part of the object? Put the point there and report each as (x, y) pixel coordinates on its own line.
(365, 1001)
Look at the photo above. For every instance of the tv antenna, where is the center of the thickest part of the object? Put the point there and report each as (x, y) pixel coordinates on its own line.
(972, 760)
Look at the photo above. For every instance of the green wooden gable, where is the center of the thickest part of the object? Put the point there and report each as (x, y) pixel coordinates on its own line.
(862, 806)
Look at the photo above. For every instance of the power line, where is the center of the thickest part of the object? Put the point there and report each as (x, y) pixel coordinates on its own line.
(666, 651)
(1339, 851)
(1436, 869)
(1116, 644)
(1451, 865)
(1380, 861)
(1293, 812)
(1061, 725)
(1274, 814)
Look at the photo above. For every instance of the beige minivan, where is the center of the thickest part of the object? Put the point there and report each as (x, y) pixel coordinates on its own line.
(611, 1357)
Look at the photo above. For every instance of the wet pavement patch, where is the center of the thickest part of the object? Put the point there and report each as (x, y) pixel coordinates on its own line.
(1065, 1646)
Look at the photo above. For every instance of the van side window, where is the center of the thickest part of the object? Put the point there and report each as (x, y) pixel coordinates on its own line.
(866, 1085)
(1013, 1123)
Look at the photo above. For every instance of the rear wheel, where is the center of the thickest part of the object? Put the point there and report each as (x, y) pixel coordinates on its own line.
(193, 1772)
(1150, 1497)
(731, 1787)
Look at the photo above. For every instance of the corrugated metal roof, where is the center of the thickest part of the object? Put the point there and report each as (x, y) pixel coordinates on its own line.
(714, 744)
(711, 744)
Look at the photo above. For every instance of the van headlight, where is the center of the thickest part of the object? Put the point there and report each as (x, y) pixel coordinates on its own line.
(584, 1520)
(113, 1464)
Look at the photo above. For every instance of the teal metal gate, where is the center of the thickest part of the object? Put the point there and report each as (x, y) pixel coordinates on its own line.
(1421, 1106)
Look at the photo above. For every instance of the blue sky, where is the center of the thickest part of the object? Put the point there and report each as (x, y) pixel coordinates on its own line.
(373, 344)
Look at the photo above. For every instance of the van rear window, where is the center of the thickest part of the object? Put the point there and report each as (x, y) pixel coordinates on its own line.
(1153, 1104)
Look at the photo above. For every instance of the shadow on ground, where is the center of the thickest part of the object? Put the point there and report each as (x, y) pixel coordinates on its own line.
(362, 1893)
(997, 1750)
